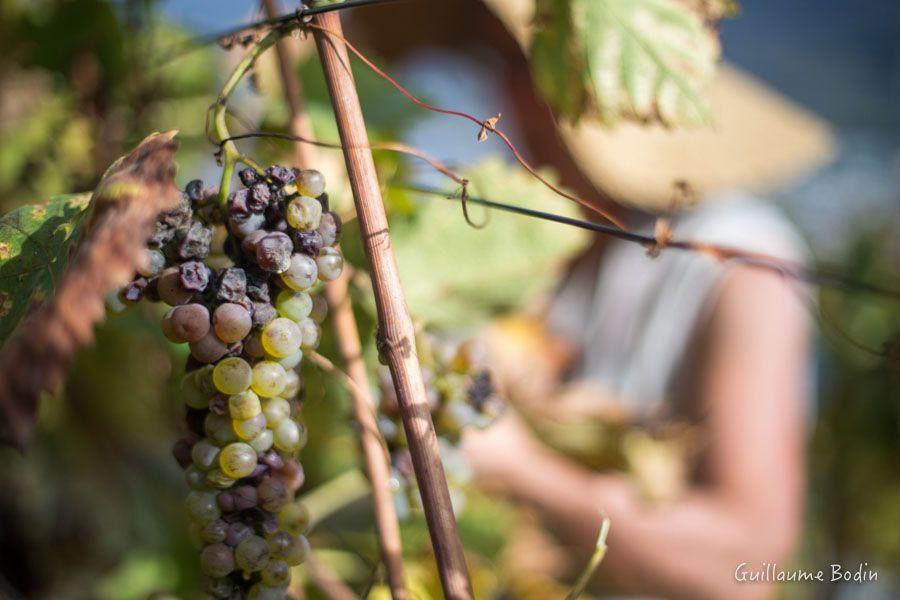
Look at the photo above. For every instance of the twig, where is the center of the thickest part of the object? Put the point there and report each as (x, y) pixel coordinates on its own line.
(300, 124)
(327, 581)
(397, 336)
(373, 446)
(594, 562)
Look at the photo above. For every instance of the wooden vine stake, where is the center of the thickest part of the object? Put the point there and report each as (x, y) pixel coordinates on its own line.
(396, 334)
(347, 335)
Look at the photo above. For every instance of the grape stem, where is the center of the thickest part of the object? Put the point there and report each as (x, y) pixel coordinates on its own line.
(230, 153)
(593, 562)
(396, 338)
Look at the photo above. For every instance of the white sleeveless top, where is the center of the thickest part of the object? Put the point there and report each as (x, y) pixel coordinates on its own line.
(634, 320)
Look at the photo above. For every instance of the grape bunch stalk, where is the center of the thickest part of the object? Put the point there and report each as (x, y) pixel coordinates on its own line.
(242, 280)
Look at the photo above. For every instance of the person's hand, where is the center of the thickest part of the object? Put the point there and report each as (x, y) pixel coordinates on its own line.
(500, 453)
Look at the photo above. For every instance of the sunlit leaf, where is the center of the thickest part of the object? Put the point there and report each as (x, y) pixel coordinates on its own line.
(649, 60)
(34, 242)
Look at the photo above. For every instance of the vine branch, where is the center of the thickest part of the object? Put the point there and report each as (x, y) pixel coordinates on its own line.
(395, 325)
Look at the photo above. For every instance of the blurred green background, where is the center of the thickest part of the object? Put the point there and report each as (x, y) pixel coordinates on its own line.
(94, 509)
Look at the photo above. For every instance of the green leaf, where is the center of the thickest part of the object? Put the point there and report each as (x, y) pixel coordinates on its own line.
(456, 276)
(34, 244)
(649, 60)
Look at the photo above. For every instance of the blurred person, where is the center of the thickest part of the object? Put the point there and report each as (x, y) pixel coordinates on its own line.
(673, 338)
(670, 392)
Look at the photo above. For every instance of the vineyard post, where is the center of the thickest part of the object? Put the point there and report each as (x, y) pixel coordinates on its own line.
(396, 334)
(349, 346)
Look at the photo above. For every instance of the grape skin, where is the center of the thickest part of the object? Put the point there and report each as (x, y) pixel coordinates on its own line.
(237, 460)
(217, 560)
(268, 378)
(295, 306)
(287, 436)
(232, 375)
(311, 183)
(301, 274)
(232, 322)
(202, 507)
(281, 337)
(252, 554)
(248, 429)
(276, 410)
(186, 323)
(330, 263)
(209, 349)
(244, 405)
(303, 213)
(263, 441)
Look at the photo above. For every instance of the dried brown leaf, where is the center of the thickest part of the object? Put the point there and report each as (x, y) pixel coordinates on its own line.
(123, 210)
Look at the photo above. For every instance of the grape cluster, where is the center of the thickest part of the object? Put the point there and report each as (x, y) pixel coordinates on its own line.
(242, 283)
(460, 395)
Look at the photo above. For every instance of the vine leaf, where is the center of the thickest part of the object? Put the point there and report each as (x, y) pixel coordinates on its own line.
(35, 242)
(649, 60)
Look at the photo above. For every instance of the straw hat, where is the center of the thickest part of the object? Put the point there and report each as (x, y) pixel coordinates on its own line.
(759, 140)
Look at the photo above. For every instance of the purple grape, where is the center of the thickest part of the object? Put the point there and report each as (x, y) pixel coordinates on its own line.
(214, 532)
(194, 190)
(273, 252)
(259, 197)
(242, 226)
(169, 288)
(217, 560)
(263, 313)
(237, 533)
(135, 290)
(219, 404)
(182, 452)
(179, 217)
(272, 494)
(248, 177)
(232, 285)
(308, 242)
(209, 349)
(239, 203)
(231, 322)
(196, 242)
(257, 285)
(248, 244)
(281, 175)
(245, 497)
(272, 459)
(186, 323)
(194, 276)
(225, 501)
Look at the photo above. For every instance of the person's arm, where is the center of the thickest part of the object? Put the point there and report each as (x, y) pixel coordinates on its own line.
(753, 389)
